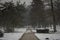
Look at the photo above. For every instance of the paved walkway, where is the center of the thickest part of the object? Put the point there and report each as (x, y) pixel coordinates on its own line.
(29, 35)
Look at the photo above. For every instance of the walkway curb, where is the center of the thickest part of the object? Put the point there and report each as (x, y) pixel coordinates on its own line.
(36, 37)
(22, 36)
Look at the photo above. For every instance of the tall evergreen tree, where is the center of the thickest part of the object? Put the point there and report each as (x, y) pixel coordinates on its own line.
(21, 10)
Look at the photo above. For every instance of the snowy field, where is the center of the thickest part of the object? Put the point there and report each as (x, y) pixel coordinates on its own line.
(58, 28)
(50, 36)
(42, 36)
(14, 36)
(20, 30)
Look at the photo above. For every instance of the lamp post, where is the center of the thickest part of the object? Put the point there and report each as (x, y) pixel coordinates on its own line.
(54, 22)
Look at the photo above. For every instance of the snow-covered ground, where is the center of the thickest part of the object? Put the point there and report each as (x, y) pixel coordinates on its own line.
(11, 36)
(50, 36)
(58, 28)
(21, 30)
(34, 31)
(14, 36)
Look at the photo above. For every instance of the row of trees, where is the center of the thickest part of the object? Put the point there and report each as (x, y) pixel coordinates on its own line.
(11, 15)
(37, 15)
(41, 16)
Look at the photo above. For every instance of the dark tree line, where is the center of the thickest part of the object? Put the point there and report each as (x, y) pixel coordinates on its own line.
(37, 15)
(11, 15)
(57, 11)
(45, 17)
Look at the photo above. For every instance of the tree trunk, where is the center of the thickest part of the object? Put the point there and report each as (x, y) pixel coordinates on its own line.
(54, 23)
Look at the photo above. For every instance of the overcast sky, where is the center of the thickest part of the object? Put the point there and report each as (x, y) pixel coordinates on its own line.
(28, 2)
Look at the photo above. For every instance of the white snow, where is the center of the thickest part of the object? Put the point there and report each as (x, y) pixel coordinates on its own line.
(28, 31)
(20, 30)
(50, 36)
(33, 30)
(58, 27)
(14, 36)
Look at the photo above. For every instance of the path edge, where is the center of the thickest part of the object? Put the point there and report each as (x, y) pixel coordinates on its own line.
(22, 36)
(36, 37)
